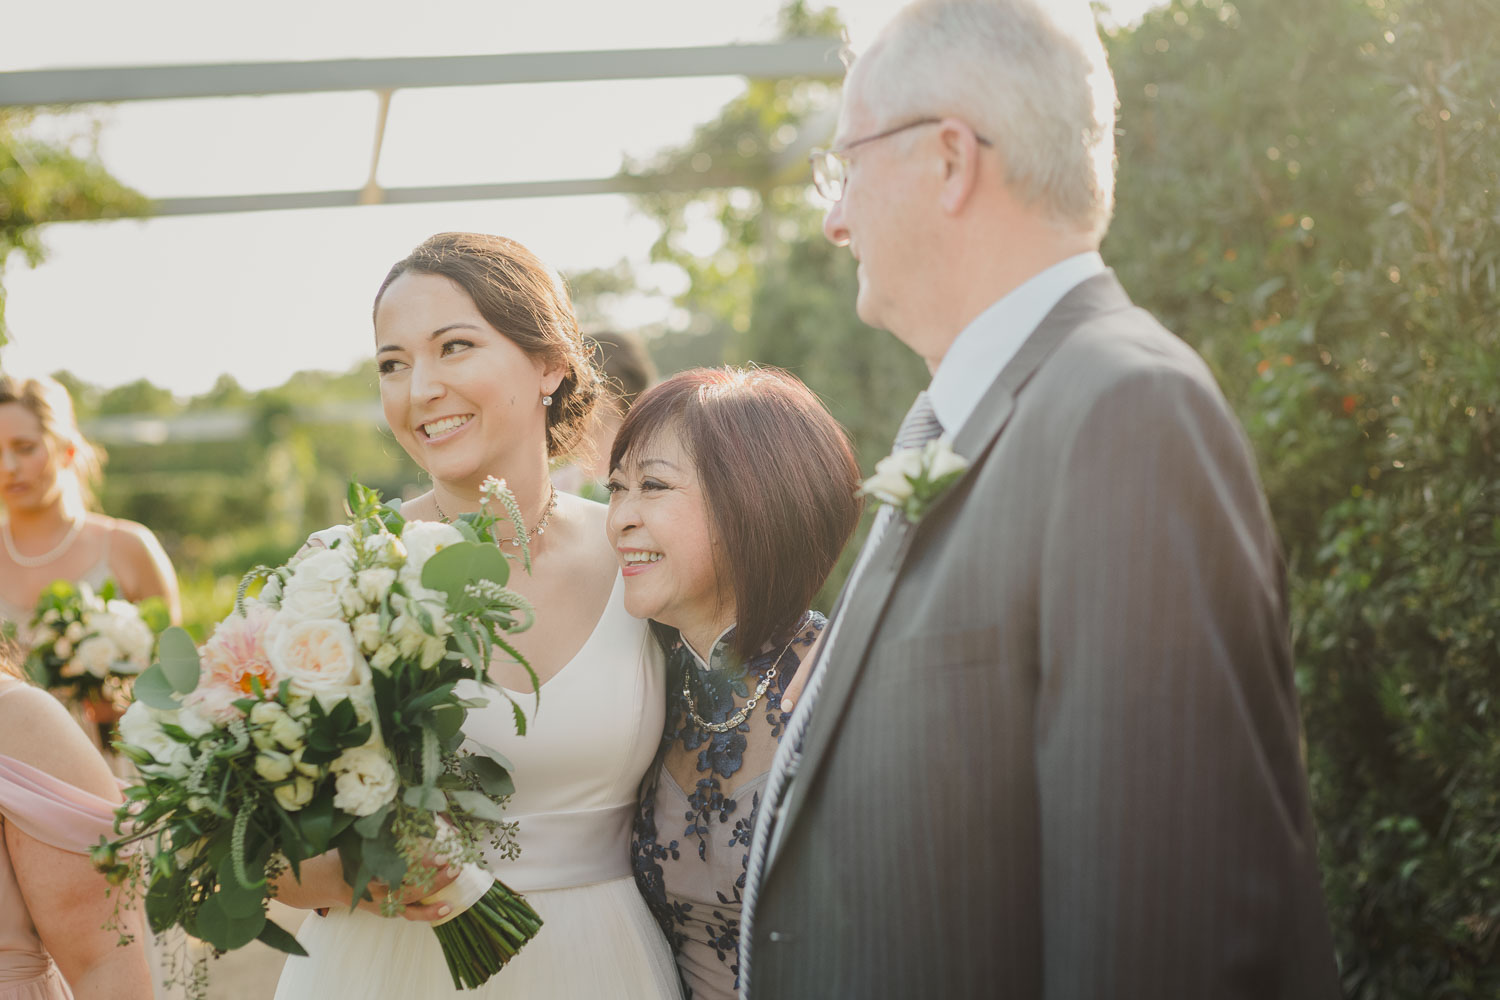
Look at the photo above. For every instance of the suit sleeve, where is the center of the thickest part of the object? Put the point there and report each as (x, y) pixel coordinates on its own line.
(1177, 854)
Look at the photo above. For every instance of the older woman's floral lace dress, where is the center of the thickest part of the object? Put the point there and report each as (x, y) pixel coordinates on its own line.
(699, 802)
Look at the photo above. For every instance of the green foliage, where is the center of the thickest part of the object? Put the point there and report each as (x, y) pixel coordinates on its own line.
(1308, 196)
(48, 181)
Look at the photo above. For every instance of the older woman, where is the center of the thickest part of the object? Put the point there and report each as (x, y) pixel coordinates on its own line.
(56, 799)
(732, 494)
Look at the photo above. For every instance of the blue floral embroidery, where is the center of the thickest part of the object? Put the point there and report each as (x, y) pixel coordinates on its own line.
(711, 814)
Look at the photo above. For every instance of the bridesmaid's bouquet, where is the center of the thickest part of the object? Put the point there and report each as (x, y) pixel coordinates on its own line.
(88, 647)
(324, 713)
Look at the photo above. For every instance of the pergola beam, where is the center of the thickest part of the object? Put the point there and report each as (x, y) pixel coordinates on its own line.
(619, 184)
(808, 57)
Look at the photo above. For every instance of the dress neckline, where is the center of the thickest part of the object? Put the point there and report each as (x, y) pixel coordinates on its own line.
(609, 608)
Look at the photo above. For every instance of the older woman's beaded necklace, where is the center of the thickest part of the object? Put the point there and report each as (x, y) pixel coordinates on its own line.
(735, 720)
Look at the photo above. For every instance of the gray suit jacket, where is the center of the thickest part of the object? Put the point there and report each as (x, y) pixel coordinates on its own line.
(1056, 752)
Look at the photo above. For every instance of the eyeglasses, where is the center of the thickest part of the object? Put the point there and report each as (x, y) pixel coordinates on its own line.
(830, 167)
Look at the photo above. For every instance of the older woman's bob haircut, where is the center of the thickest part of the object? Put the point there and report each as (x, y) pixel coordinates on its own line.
(778, 476)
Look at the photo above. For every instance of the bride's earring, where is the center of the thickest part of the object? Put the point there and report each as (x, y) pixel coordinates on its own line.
(547, 400)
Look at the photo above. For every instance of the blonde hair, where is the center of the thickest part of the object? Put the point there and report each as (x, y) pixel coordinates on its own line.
(1029, 75)
(48, 400)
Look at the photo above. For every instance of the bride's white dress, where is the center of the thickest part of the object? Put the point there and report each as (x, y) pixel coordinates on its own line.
(576, 773)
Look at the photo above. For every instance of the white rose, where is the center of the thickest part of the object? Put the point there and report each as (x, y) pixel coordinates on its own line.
(295, 795)
(367, 631)
(140, 727)
(313, 590)
(321, 541)
(942, 459)
(317, 655)
(374, 584)
(96, 655)
(890, 484)
(366, 781)
(273, 766)
(425, 539)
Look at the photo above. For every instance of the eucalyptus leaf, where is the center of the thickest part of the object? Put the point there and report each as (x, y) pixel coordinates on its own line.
(480, 805)
(461, 564)
(153, 688)
(425, 797)
(178, 657)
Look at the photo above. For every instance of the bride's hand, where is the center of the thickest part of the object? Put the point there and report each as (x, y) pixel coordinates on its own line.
(322, 886)
(793, 690)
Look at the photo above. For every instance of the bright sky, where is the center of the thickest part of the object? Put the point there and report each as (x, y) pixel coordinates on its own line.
(262, 295)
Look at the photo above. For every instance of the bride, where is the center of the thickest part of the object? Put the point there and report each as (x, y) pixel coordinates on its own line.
(483, 372)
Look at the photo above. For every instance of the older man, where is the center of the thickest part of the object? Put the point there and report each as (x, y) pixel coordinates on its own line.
(1051, 748)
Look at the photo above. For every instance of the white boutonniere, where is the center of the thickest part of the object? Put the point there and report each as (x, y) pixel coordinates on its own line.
(913, 479)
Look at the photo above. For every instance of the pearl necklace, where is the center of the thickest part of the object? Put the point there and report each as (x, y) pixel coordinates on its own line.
(541, 524)
(735, 720)
(31, 562)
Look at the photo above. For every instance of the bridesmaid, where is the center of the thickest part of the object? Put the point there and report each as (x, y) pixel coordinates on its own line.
(56, 799)
(47, 471)
(732, 492)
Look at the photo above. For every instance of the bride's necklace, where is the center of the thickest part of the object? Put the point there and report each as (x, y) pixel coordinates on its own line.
(541, 524)
(735, 720)
(31, 562)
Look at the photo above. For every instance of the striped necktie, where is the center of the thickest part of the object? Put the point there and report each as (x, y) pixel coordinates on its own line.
(918, 427)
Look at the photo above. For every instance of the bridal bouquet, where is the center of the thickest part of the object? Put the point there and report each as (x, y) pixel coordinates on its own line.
(323, 713)
(88, 646)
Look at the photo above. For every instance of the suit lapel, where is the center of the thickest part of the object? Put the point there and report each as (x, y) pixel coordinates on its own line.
(862, 608)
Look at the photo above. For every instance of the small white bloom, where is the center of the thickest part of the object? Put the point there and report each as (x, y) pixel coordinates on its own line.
(366, 780)
(433, 651)
(141, 727)
(311, 770)
(941, 459)
(193, 722)
(262, 717)
(295, 795)
(374, 584)
(74, 631)
(367, 631)
(273, 766)
(96, 655)
(51, 615)
(384, 657)
(288, 733)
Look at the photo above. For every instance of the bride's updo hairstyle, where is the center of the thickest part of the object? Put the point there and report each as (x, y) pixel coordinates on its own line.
(47, 399)
(522, 298)
(778, 477)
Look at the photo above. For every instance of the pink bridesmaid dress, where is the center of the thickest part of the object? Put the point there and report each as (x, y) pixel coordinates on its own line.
(55, 813)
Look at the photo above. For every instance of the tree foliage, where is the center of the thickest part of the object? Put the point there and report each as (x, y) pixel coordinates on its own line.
(45, 181)
(1308, 196)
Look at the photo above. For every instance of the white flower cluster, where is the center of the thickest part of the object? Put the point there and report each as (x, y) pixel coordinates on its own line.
(107, 637)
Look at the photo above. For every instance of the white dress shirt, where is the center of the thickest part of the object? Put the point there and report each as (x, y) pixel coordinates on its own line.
(987, 344)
